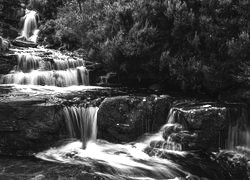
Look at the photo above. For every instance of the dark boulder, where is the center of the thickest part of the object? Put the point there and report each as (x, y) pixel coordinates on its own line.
(172, 128)
(7, 63)
(235, 163)
(125, 118)
(200, 165)
(199, 127)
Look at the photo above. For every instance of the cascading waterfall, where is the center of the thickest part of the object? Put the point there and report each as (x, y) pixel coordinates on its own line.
(81, 122)
(38, 66)
(238, 132)
(70, 77)
(27, 63)
(59, 64)
(33, 70)
(30, 31)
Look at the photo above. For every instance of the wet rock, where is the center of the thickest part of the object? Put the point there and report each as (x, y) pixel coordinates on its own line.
(187, 140)
(193, 177)
(28, 126)
(4, 45)
(200, 165)
(233, 162)
(125, 118)
(202, 116)
(203, 125)
(7, 63)
(157, 144)
(22, 42)
(39, 177)
(172, 128)
(110, 79)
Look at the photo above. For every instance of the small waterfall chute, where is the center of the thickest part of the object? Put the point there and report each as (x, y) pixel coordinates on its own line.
(81, 123)
(238, 131)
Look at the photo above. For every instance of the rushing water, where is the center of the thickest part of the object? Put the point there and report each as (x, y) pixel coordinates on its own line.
(122, 161)
(238, 131)
(119, 160)
(81, 123)
(30, 31)
(69, 77)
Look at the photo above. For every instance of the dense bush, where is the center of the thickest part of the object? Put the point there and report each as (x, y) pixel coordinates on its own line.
(46, 8)
(193, 45)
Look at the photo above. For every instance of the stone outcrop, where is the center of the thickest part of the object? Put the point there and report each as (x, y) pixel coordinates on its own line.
(200, 165)
(4, 45)
(7, 63)
(28, 125)
(233, 162)
(199, 127)
(24, 43)
(125, 118)
(207, 127)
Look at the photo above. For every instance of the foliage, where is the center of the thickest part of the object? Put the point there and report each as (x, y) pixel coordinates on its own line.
(46, 8)
(181, 41)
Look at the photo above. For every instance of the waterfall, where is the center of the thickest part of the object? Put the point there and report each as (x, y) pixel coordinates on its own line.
(81, 122)
(30, 30)
(238, 131)
(70, 77)
(27, 63)
(59, 64)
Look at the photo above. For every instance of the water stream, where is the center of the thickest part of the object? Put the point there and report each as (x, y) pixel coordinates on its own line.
(120, 160)
(30, 29)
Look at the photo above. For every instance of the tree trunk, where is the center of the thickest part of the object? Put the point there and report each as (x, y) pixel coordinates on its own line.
(80, 5)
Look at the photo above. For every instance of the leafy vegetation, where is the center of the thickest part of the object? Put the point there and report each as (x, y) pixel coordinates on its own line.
(187, 44)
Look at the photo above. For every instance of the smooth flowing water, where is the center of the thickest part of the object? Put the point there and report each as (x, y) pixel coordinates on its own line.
(118, 160)
(130, 160)
(30, 30)
(239, 132)
(81, 123)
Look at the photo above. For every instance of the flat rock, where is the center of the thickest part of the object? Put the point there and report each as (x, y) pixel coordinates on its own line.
(23, 43)
(29, 125)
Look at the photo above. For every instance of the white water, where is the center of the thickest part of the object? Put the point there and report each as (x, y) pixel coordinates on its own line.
(81, 122)
(27, 62)
(70, 77)
(67, 64)
(128, 160)
(30, 31)
(34, 90)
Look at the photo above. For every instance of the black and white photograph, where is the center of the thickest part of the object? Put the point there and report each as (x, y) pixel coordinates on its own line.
(124, 89)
